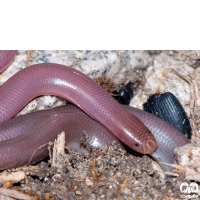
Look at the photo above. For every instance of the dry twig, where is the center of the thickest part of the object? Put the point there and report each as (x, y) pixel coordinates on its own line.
(37, 150)
(59, 150)
(15, 194)
(194, 99)
(14, 177)
(189, 173)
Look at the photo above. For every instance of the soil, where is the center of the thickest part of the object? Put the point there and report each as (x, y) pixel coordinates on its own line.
(109, 173)
(100, 174)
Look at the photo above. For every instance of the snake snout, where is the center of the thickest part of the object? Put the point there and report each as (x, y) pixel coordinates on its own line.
(149, 146)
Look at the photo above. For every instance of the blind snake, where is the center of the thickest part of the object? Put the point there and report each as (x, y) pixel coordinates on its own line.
(100, 116)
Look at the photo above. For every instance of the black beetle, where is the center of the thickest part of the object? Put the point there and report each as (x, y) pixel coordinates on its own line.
(125, 94)
(168, 107)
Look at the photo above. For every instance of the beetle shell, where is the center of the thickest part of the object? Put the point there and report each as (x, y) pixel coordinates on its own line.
(125, 94)
(168, 107)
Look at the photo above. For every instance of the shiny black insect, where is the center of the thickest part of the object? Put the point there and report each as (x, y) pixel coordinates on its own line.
(167, 107)
(125, 94)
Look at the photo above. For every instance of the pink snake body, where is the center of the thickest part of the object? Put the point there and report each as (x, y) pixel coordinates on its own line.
(70, 84)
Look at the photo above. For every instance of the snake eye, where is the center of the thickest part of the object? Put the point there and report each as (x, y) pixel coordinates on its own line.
(136, 144)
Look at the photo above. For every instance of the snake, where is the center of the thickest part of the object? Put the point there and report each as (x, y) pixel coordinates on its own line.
(93, 111)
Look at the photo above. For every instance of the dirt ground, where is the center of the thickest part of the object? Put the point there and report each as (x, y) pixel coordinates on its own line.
(108, 173)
